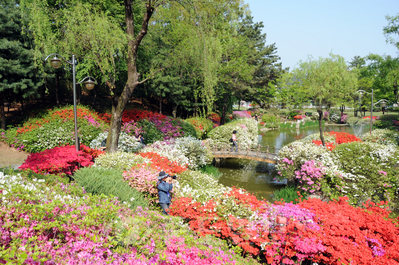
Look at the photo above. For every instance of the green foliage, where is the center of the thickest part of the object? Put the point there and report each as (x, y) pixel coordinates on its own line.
(287, 194)
(211, 170)
(367, 161)
(188, 129)
(118, 160)
(18, 75)
(151, 133)
(268, 118)
(386, 122)
(109, 182)
(201, 125)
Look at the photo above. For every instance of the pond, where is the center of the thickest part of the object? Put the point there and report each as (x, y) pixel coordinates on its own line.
(257, 177)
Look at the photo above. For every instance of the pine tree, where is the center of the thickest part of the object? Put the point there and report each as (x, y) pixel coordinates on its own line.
(17, 72)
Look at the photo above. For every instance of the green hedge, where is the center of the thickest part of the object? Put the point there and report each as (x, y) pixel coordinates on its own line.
(109, 182)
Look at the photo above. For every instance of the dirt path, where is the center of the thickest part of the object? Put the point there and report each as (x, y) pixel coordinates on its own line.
(10, 156)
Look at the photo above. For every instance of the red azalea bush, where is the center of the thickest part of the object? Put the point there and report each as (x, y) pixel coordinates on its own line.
(344, 137)
(330, 146)
(263, 237)
(340, 138)
(298, 117)
(59, 160)
(354, 235)
(215, 119)
(159, 163)
(134, 115)
(368, 117)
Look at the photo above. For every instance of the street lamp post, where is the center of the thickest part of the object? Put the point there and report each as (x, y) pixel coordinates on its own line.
(371, 111)
(55, 62)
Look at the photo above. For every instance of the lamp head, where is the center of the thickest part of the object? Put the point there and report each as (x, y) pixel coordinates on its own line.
(89, 84)
(55, 62)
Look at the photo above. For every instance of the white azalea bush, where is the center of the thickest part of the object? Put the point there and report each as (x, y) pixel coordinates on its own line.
(382, 136)
(126, 142)
(186, 151)
(359, 170)
(247, 133)
(119, 160)
(202, 187)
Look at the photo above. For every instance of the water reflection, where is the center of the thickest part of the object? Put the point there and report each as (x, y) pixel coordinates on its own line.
(258, 177)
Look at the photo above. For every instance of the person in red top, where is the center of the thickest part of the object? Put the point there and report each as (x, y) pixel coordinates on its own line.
(234, 146)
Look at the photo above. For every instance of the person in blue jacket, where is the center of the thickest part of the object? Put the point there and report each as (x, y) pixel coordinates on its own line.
(164, 186)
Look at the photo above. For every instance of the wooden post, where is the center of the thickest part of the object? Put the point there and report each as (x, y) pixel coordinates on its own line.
(267, 150)
(247, 150)
(274, 149)
(257, 153)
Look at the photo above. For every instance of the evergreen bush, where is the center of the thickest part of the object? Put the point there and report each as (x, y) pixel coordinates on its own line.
(268, 118)
(287, 194)
(109, 182)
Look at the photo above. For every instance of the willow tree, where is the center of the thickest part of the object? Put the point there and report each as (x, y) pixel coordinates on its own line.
(190, 42)
(327, 81)
(106, 35)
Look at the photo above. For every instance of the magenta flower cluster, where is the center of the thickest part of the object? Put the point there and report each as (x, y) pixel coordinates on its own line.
(132, 128)
(309, 176)
(170, 128)
(241, 114)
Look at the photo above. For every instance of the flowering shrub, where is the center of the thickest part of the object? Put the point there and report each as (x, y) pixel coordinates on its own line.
(309, 176)
(186, 151)
(215, 119)
(132, 128)
(71, 227)
(382, 136)
(355, 235)
(55, 128)
(251, 224)
(241, 114)
(143, 179)
(59, 160)
(161, 163)
(343, 118)
(119, 160)
(368, 117)
(352, 169)
(298, 117)
(126, 143)
(202, 126)
(201, 187)
(247, 133)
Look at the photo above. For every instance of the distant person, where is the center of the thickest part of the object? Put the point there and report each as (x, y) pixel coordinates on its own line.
(234, 145)
(103, 145)
(141, 139)
(256, 117)
(164, 186)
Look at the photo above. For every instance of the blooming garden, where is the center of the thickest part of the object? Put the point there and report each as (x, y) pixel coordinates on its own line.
(94, 207)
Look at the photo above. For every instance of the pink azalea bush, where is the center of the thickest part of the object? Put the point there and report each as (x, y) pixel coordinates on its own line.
(143, 179)
(241, 114)
(310, 176)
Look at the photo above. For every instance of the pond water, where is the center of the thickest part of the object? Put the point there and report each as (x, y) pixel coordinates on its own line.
(257, 177)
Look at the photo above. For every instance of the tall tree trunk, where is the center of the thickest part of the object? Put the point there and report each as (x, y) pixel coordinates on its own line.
(160, 105)
(94, 96)
(2, 112)
(321, 126)
(119, 103)
(57, 88)
(22, 105)
(174, 112)
(395, 90)
(224, 110)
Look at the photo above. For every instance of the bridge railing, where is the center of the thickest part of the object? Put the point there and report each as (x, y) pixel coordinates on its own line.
(265, 152)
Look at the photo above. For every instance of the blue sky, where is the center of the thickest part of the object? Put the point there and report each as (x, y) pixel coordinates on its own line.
(317, 27)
